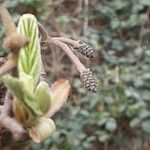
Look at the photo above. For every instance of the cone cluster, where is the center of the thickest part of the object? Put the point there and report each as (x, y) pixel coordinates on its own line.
(89, 80)
(86, 50)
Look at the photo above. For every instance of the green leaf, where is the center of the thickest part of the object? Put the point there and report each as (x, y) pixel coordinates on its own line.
(18, 89)
(44, 127)
(133, 109)
(145, 2)
(30, 56)
(103, 136)
(111, 124)
(135, 122)
(103, 118)
(33, 106)
(28, 81)
(15, 85)
(43, 96)
(146, 126)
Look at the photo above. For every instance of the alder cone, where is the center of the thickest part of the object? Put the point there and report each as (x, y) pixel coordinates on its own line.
(89, 80)
(86, 50)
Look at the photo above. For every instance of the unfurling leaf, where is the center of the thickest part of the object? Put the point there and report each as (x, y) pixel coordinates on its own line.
(60, 91)
(30, 57)
(22, 93)
(15, 85)
(33, 99)
(43, 128)
(23, 114)
(43, 96)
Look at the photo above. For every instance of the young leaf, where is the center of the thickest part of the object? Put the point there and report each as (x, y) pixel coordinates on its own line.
(43, 96)
(60, 91)
(30, 57)
(28, 82)
(18, 89)
(15, 85)
(43, 128)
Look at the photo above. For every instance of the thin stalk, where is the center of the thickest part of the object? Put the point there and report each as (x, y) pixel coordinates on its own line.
(68, 51)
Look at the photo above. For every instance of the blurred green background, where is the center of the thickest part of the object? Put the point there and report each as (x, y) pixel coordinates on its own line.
(117, 117)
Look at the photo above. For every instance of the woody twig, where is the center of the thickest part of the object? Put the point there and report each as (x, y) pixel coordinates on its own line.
(68, 46)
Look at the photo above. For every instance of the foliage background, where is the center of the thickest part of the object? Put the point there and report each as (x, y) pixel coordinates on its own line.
(118, 115)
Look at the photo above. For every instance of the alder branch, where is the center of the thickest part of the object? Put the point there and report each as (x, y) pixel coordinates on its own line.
(44, 36)
(42, 31)
(12, 44)
(68, 46)
(73, 43)
(62, 44)
(68, 51)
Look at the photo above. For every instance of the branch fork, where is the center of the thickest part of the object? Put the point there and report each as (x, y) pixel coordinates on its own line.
(69, 46)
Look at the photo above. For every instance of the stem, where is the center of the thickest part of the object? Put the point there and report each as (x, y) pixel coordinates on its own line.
(9, 65)
(6, 19)
(2, 60)
(68, 51)
(42, 31)
(44, 35)
(68, 41)
(43, 73)
(62, 44)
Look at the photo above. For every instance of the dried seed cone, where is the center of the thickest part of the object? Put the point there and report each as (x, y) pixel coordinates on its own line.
(86, 50)
(89, 80)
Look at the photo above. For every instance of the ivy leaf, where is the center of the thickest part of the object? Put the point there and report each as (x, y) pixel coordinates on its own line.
(145, 2)
(146, 126)
(111, 124)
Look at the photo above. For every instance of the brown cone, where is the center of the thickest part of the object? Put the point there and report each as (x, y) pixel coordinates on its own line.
(89, 80)
(86, 50)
